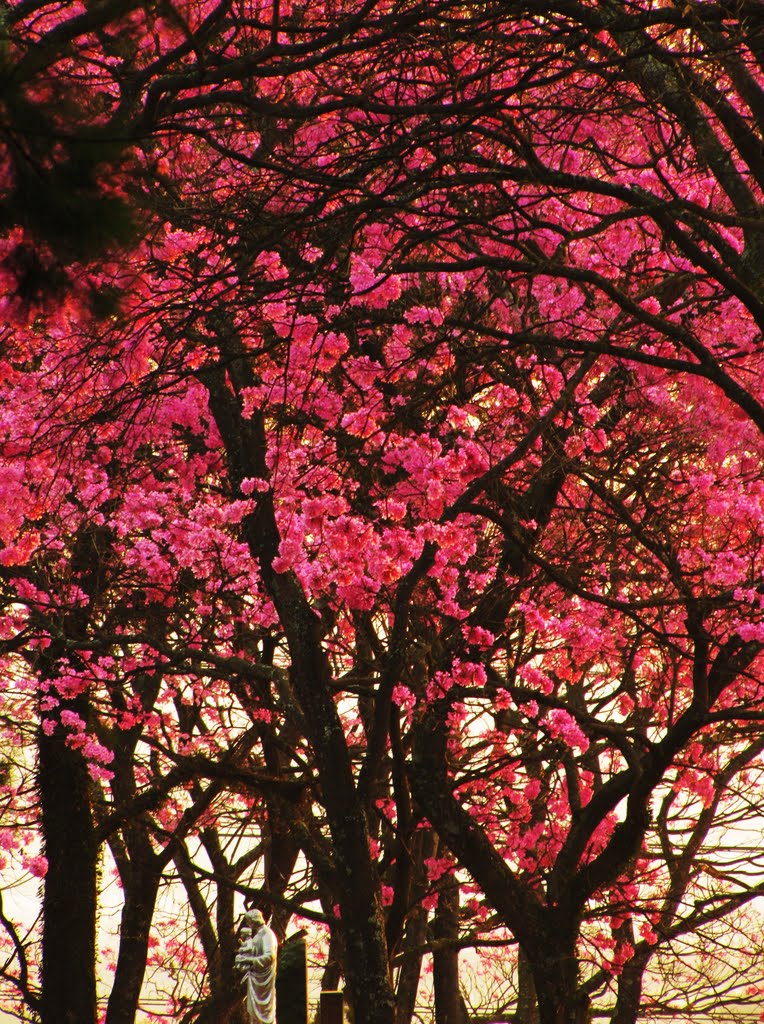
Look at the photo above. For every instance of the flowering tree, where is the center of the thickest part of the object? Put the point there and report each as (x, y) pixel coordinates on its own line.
(403, 477)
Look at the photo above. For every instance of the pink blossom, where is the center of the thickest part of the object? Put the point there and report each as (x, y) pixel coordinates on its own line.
(95, 751)
(563, 726)
(403, 697)
(651, 305)
(251, 484)
(36, 866)
(72, 720)
(437, 867)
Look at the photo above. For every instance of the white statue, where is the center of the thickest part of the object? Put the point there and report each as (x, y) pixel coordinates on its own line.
(256, 959)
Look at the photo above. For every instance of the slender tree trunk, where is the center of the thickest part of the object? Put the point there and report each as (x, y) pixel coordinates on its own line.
(411, 968)
(449, 1008)
(367, 973)
(629, 996)
(332, 973)
(281, 856)
(424, 845)
(369, 987)
(69, 900)
(135, 928)
(527, 1004)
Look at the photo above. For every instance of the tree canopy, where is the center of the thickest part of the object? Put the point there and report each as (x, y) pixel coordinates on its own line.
(381, 503)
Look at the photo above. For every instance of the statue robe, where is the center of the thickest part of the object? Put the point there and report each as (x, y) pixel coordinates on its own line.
(257, 960)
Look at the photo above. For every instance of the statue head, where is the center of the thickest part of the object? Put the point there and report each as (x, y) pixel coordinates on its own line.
(254, 918)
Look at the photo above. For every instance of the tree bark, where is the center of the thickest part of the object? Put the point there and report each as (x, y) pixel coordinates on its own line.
(629, 996)
(554, 967)
(424, 845)
(448, 1000)
(527, 1003)
(69, 899)
(71, 844)
(135, 928)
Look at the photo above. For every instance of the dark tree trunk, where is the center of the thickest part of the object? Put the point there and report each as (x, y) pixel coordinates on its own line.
(69, 901)
(424, 845)
(555, 976)
(411, 968)
(527, 1004)
(369, 987)
(629, 996)
(332, 973)
(282, 852)
(449, 1008)
(71, 845)
(135, 928)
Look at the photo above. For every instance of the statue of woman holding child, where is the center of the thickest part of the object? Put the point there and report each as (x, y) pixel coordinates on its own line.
(256, 960)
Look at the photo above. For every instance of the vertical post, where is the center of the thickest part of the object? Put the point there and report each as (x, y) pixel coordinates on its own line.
(292, 982)
(331, 1007)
